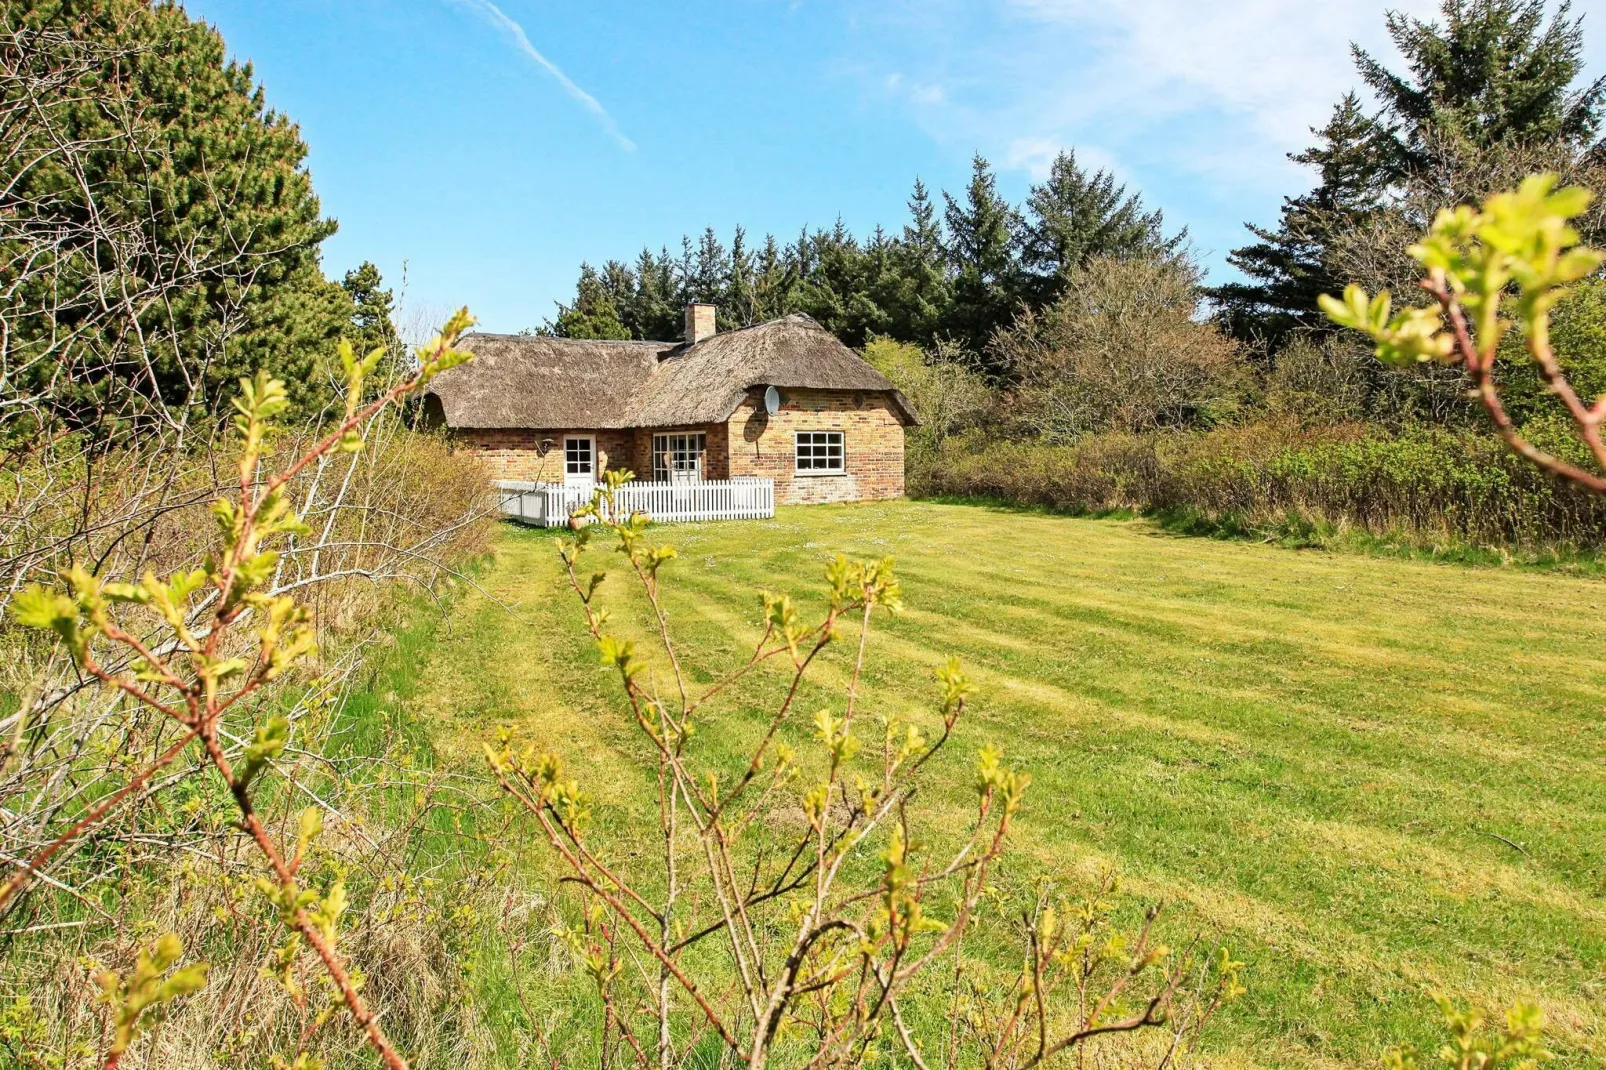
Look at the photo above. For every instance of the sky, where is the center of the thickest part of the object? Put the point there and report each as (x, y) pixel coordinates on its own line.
(478, 151)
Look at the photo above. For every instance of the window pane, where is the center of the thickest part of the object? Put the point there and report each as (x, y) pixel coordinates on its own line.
(577, 456)
(678, 453)
(820, 451)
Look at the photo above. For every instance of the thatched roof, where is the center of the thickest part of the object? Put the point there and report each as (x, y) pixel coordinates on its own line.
(520, 381)
(523, 382)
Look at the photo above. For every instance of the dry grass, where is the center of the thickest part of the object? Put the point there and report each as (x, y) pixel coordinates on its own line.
(1426, 489)
(405, 513)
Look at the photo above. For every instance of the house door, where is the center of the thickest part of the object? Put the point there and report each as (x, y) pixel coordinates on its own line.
(678, 458)
(579, 461)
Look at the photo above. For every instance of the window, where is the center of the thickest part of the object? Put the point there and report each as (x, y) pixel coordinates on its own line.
(676, 457)
(820, 453)
(577, 457)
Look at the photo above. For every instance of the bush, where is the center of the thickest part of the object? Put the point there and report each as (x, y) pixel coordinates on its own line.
(948, 395)
(114, 832)
(1322, 380)
(1123, 350)
(1430, 486)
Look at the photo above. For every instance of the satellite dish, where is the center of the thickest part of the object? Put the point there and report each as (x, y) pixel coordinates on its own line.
(772, 400)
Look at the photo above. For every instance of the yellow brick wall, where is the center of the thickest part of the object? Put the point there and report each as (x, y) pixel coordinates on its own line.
(715, 457)
(751, 443)
(514, 453)
(763, 445)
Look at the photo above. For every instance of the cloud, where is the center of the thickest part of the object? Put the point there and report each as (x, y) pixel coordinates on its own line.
(1275, 65)
(1032, 155)
(1035, 156)
(520, 40)
(1217, 89)
(923, 93)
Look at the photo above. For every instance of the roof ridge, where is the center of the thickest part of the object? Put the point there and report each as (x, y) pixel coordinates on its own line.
(792, 317)
(567, 341)
(795, 317)
(545, 382)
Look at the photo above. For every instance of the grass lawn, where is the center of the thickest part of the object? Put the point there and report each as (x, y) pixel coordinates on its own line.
(1369, 776)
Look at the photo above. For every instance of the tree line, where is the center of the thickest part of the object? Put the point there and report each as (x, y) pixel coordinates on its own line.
(958, 271)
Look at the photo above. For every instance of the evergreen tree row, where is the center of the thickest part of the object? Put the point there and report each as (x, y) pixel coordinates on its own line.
(959, 271)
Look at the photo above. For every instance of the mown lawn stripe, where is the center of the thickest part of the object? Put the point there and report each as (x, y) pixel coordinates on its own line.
(1314, 756)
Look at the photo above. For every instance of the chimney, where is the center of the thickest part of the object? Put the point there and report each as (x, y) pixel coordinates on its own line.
(699, 323)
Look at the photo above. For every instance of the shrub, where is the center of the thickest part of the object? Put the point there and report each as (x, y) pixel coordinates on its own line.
(1122, 350)
(1489, 270)
(1321, 380)
(102, 793)
(948, 395)
(1429, 485)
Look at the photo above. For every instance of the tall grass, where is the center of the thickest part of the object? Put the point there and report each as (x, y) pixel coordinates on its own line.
(405, 515)
(1427, 486)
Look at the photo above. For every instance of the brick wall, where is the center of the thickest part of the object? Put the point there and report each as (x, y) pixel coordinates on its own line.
(751, 443)
(715, 458)
(763, 445)
(511, 453)
(515, 454)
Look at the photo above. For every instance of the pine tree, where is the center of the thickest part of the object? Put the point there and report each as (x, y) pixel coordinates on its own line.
(738, 305)
(774, 283)
(1495, 71)
(709, 271)
(216, 188)
(801, 254)
(1073, 216)
(1287, 265)
(921, 294)
(654, 313)
(685, 270)
(874, 290)
(1493, 75)
(981, 248)
(593, 315)
(372, 307)
(834, 273)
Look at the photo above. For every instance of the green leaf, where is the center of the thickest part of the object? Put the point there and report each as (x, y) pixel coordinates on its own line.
(1569, 202)
(1576, 264)
(267, 744)
(126, 593)
(37, 607)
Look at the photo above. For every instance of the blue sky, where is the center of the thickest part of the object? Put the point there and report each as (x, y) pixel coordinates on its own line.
(490, 147)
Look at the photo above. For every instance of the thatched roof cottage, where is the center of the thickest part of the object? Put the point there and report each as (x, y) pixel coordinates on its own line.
(783, 400)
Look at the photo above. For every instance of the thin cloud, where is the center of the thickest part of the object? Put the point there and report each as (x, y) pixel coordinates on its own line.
(1035, 156)
(1275, 65)
(521, 41)
(1218, 90)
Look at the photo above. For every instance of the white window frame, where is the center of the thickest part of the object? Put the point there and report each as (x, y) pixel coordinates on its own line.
(578, 468)
(679, 455)
(819, 453)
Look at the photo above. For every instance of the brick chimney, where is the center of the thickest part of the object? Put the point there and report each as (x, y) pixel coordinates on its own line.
(699, 323)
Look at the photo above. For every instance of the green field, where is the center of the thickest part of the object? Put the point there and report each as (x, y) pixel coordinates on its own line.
(1370, 776)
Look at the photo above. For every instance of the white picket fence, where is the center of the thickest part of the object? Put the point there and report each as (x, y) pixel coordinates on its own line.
(549, 504)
